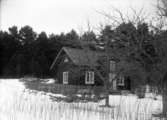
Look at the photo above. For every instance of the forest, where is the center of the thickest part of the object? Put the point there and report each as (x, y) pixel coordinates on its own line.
(24, 52)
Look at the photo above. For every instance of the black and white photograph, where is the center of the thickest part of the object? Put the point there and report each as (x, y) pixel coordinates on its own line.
(83, 59)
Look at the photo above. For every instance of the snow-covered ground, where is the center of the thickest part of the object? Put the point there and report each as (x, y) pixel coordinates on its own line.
(19, 103)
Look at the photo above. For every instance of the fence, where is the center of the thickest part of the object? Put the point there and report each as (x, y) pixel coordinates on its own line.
(143, 91)
(65, 89)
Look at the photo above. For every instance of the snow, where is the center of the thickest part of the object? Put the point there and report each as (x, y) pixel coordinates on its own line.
(48, 81)
(18, 103)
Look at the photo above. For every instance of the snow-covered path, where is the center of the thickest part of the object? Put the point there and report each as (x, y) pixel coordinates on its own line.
(19, 103)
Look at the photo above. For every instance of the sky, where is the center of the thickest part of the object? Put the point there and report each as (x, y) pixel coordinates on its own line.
(56, 16)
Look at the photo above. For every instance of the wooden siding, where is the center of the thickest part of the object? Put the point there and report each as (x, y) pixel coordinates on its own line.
(76, 74)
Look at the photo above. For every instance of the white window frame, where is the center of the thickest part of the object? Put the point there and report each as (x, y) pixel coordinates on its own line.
(65, 77)
(89, 77)
(111, 76)
(121, 81)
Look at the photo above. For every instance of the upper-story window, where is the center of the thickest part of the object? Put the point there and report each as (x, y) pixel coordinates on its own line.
(66, 60)
(89, 77)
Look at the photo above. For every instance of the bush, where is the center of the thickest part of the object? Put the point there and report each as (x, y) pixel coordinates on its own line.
(140, 92)
(30, 79)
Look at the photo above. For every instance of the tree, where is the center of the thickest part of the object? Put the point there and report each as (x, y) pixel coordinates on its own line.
(162, 8)
(40, 55)
(89, 38)
(27, 38)
(161, 45)
(72, 39)
(13, 31)
(2, 62)
(55, 46)
(27, 35)
(131, 50)
(9, 46)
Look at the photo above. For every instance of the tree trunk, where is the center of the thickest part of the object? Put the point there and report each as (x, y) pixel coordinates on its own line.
(107, 104)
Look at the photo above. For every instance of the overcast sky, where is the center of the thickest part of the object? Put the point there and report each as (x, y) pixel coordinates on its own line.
(55, 16)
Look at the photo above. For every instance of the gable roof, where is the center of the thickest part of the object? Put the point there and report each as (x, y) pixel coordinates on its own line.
(82, 57)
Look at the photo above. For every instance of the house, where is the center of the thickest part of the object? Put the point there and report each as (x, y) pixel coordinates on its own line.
(73, 66)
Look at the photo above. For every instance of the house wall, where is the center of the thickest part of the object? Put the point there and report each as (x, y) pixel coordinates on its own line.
(130, 84)
(76, 74)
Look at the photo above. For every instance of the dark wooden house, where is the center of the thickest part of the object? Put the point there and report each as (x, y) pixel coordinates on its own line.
(72, 66)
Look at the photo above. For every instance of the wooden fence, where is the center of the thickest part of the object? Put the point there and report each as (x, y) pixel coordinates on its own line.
(65, 89)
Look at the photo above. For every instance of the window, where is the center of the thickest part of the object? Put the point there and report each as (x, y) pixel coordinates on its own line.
(66, 60)
(111, 77)
(121, 81)
(65, 77)
(89, 77)
(112, 66)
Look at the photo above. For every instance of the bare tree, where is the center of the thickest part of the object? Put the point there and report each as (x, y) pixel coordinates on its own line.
(161, 37)
(162, 8)
(125, 44)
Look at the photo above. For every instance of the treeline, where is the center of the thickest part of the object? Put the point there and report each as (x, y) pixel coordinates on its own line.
(24, 52)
